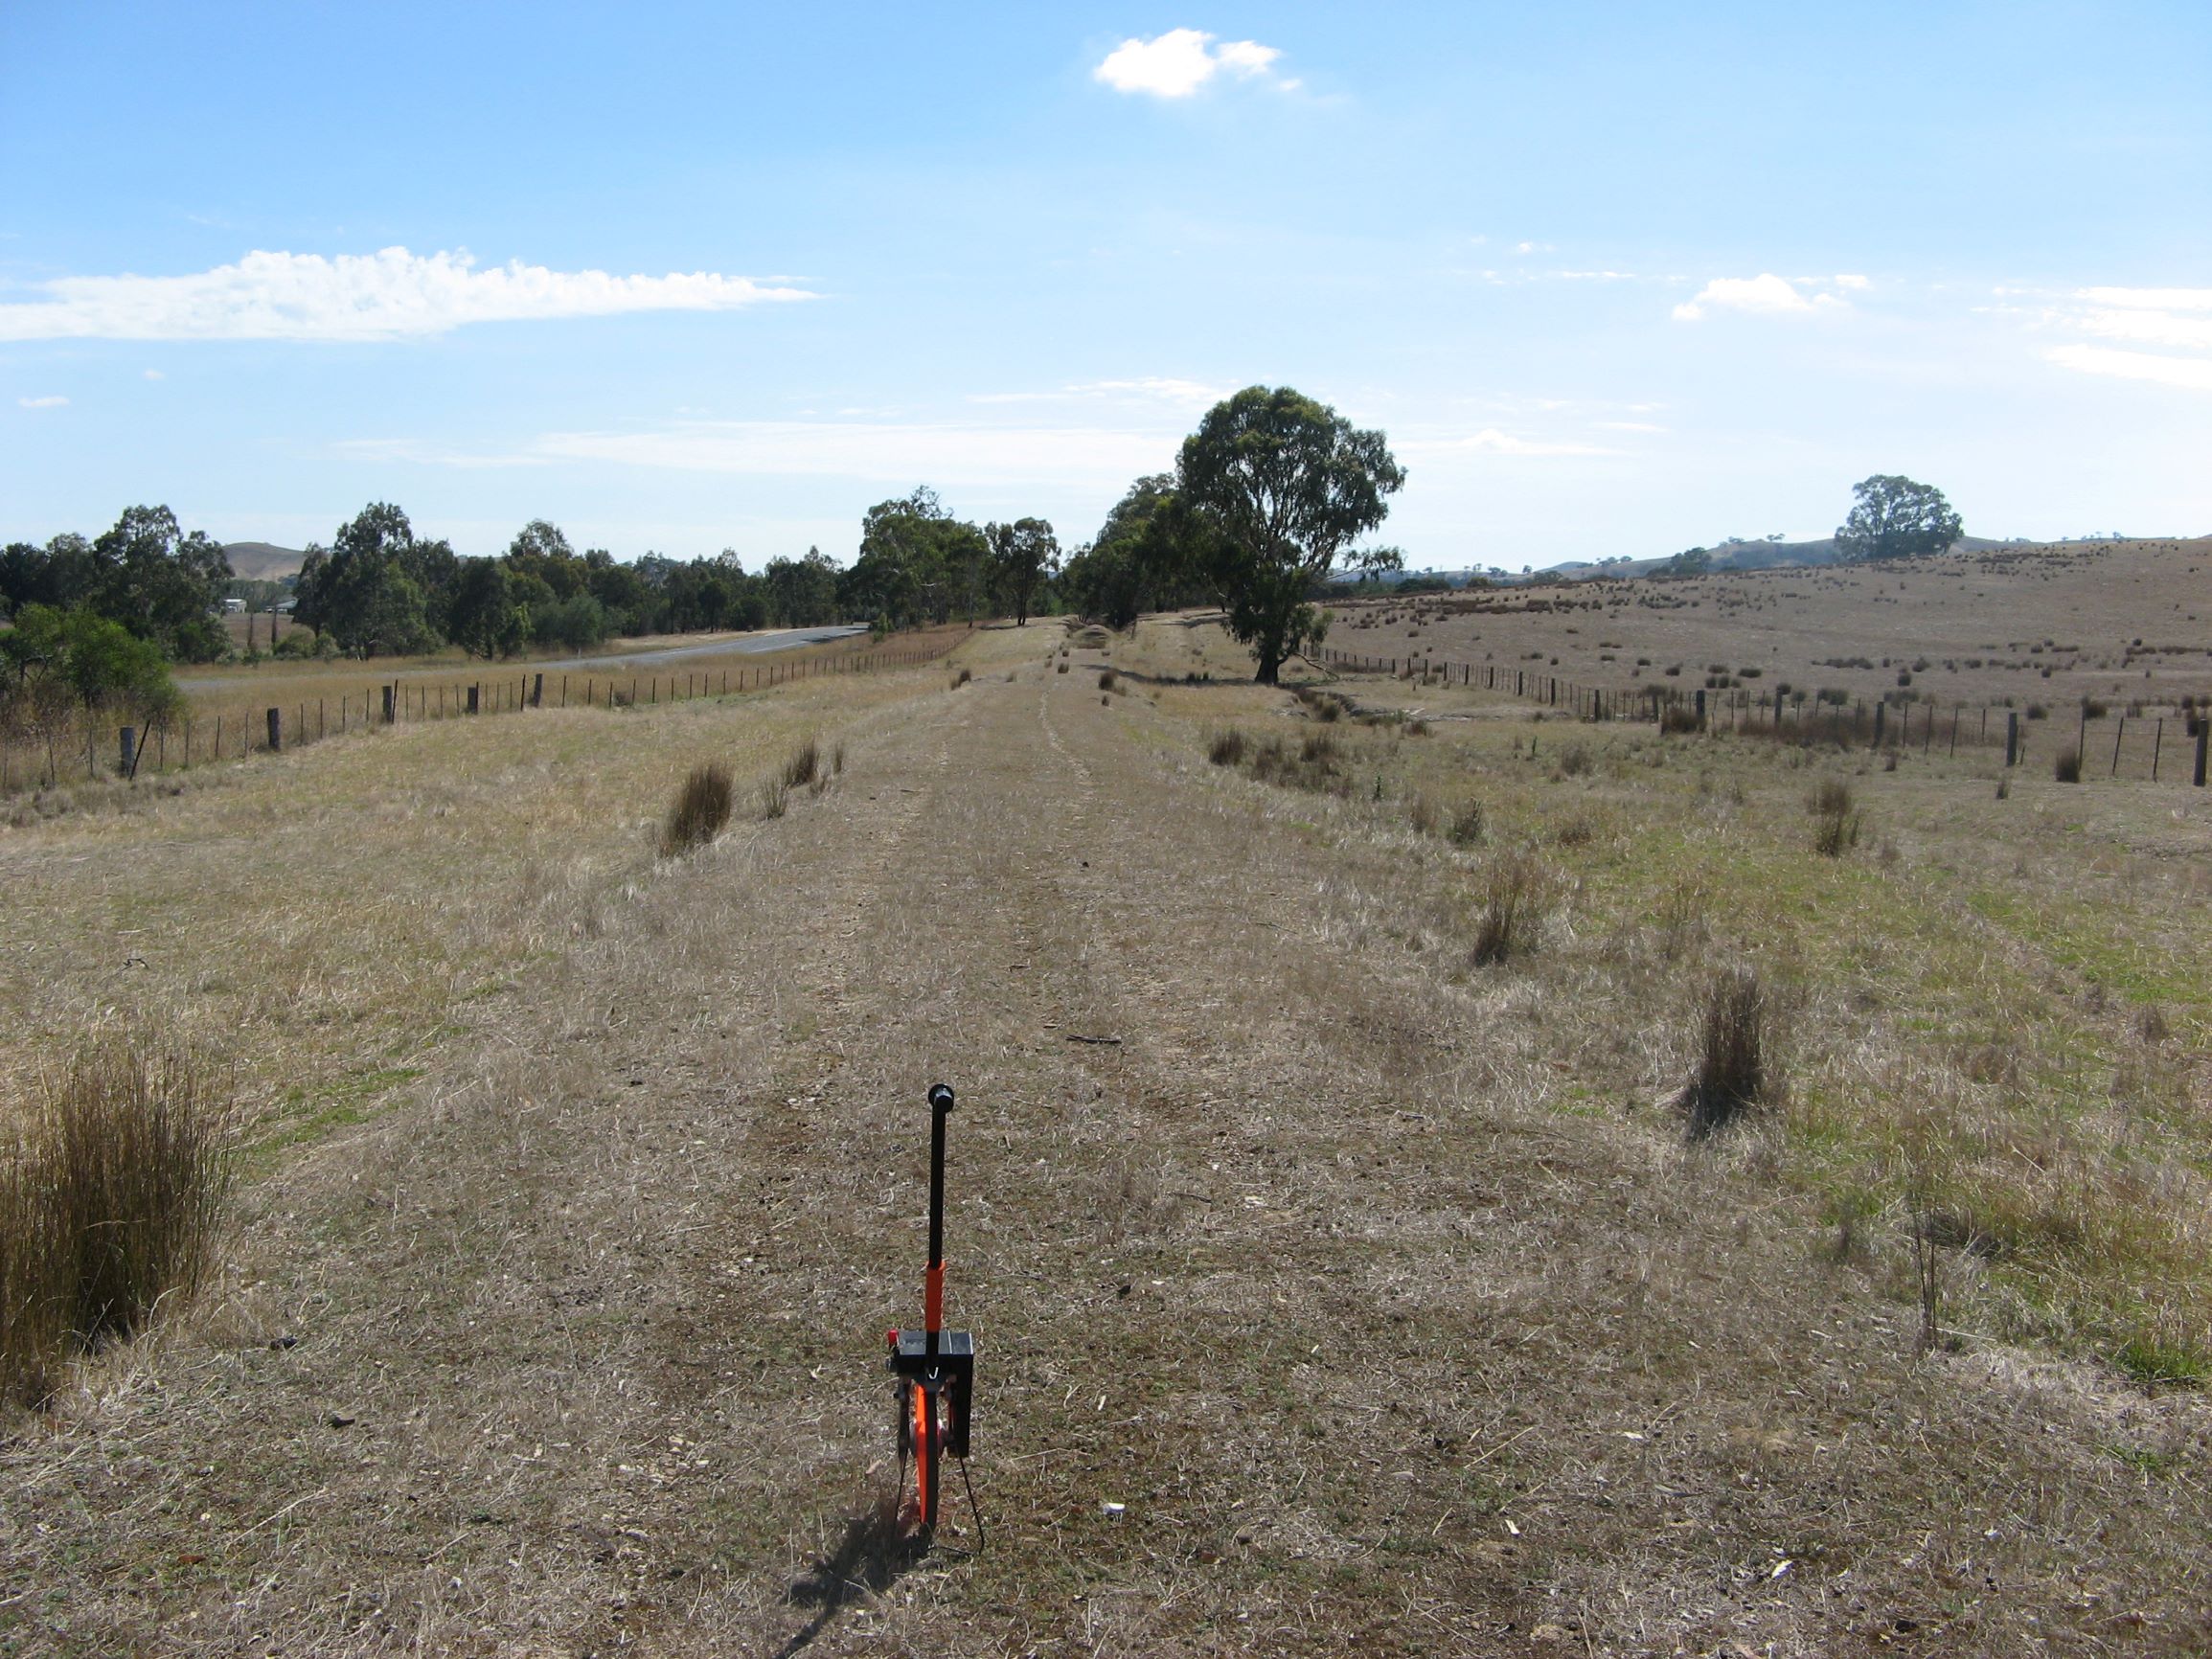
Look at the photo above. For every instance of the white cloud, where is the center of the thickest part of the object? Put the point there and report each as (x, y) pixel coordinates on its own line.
(382, 296)
(155, 374)
(2192, 372)
(2177, 320)
(1177, 64)
(1847, 281)
(1177, 393)
(1766, 295)
(43, 402)
(950, 455)
(1490, 441)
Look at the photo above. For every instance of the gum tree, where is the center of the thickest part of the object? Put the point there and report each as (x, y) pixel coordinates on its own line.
(1894, 517)
(1282, 484)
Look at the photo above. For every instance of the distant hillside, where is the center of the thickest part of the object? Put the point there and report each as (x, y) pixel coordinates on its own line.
(1754, 556)
(262, 561)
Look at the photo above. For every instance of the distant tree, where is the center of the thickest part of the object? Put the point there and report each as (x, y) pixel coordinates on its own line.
(917, 564)
(1691, 561)
(377, 589)
(1893, 517)
(1024, 555)
(1282, 484)
(801, 592)
(1150, 554)
(151, 579)
(541, 553)
(486, 619)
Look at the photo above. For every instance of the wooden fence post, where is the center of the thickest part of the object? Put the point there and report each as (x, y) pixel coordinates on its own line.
(2117, 733)
(388, 691)
(537, 692)
(2157, 738)
(2011, 737)
(2203, 730)
(276, 731)
(475, 698)
(128, 751)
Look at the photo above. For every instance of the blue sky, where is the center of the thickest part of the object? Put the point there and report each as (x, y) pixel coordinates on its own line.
(1615, 280)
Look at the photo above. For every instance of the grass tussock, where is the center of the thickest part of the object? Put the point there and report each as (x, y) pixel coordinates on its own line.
(1733, 1067)
(961, 679)
(111, 1204)
(775, 798)
(1226, 748)
(1510, 906)
(802, 768)
(699, 811)
(2066, 768)
(1107, 679)
(1837, 820)
(1468, 825)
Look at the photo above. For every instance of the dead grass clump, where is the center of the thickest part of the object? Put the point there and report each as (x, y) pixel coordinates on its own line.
(1424, 814)
(2066, 768)
(1107, 679)
(837, 759)
(959, 679)
(1315, 766)
(1512, 898)
(111, 1203)
(1577, 831)
(699, 810)
(1575, 759)
(1063, 669)
(1227, 748)
(1468, 825)
(1732, 1063)
(775, 798)
(1835, 820)
(805, 764)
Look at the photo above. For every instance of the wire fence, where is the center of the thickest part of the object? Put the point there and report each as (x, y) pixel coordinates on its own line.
(2149, 744)
(87, 747)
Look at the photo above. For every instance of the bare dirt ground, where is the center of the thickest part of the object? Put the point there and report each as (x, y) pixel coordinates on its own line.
(561, 1334)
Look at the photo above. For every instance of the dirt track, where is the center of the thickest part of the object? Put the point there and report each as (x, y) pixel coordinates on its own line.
(1377, 1350)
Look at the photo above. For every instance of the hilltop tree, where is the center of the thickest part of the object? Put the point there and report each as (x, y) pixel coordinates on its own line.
(1893, 517)
(1283, 483)
(1024, 555)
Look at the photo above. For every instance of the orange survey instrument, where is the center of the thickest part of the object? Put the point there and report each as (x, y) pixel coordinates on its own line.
(935, 1367)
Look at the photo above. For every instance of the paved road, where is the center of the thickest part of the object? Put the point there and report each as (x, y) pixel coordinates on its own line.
(779, 640)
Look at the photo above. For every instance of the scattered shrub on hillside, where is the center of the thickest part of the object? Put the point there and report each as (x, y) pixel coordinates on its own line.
(2066, 768)
(1063, 662)
(1678, 719)
(1512, 902)
(1227, 748)
(699, 810)
(111, 1202)
(2036, 712)
(1106, 679)
(1835, 820)
(2094, 707)
(1731, 1078)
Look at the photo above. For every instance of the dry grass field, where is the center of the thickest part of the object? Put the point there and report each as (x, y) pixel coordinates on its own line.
(1341, 1291)
(2124, 623)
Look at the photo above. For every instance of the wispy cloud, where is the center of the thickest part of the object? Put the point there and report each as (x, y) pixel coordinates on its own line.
(1764, 295)
(382, 296)
(951, 454)
(2164, 334)
(1491, 441)
(56, 403)
(1172, 392)
(1177, 64)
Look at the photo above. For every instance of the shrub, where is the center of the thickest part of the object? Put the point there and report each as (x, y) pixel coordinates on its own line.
(2036, 712)
(2066, 768)
(1227, 748)
(1677, 720)
(961, 679)
(1732, 1064)
(699, 810)
(110, 1204)
(1106, 679)
(1575, 759)
(1063, 669)
(1512, 910)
